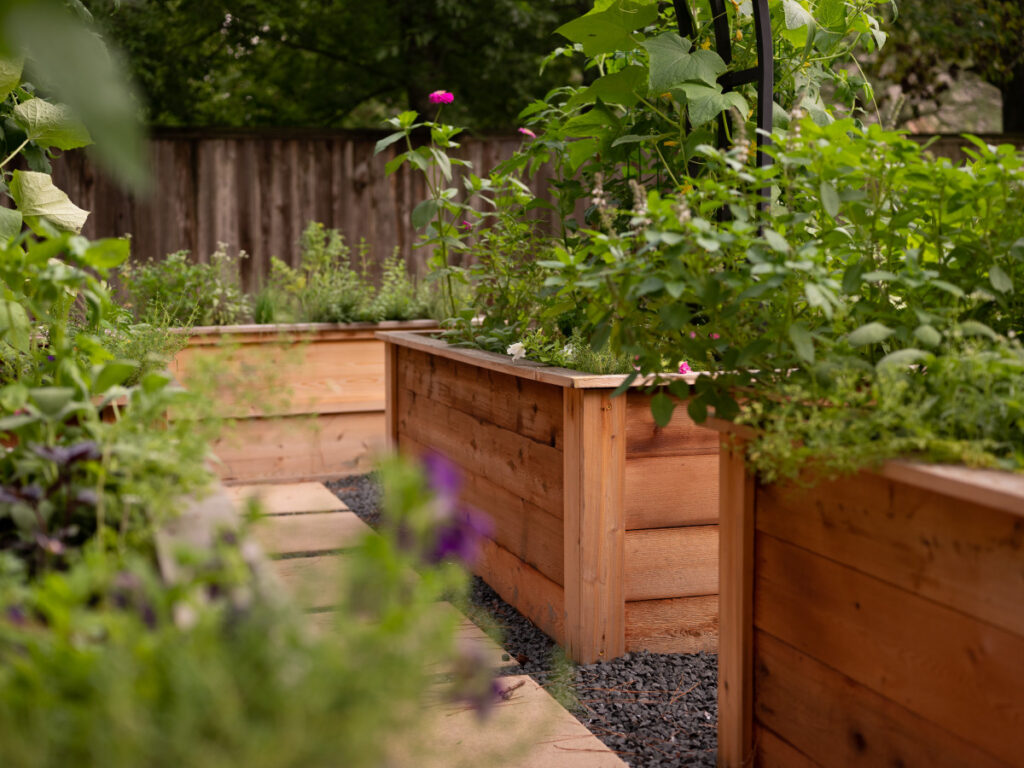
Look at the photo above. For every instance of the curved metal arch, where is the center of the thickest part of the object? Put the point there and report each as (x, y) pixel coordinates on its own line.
(763, 73)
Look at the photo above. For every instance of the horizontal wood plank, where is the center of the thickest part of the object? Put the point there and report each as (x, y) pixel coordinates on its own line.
(287, 498)
(525, 369)
(837, 721)
(988, 487)
(286, 377)
(519, 405)
(316, 532)
(669, 491)
(679, 625)
(680, 437)
(773, 752)
(961, 674)
(314, 582)
(952, 551)
(532, 593)
(525, 467)
(298, 448)
(672, 562)
(532, 534)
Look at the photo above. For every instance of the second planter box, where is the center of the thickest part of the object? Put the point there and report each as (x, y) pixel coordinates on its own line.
(605, 525)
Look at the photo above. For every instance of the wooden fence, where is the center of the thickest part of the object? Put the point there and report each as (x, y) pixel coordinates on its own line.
(258, 190)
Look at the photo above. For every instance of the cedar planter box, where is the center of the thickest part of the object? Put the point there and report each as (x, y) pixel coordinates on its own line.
(605, 526)
(305, 401)
(872, 620)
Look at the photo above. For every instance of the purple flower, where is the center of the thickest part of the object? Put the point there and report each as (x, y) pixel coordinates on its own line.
(442, 476)
(441, 97)
(51, 358)
(527, 132)
(460, 538)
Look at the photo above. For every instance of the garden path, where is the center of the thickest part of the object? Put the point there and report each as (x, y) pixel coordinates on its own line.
(306, 532)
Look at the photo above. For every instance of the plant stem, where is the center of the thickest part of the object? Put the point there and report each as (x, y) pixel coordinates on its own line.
(14, 153)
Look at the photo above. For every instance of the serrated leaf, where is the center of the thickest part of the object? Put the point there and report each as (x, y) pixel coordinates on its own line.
(796, 15)
(10, 75)
(672, 63)
(10, 225)
(902, 358)
(51, 125)
(829, 198)
(38, 199)
(999, 279)
(928, 335)
(610, 29)
(704, 102)
(662, 407)
(871, 333)
(803, 342)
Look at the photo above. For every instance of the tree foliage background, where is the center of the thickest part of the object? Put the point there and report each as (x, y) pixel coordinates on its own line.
(335, 63)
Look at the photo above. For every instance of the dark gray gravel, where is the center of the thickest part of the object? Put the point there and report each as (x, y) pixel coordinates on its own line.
(655, 710)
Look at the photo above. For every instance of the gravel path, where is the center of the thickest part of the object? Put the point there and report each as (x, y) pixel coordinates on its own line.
(655, 710)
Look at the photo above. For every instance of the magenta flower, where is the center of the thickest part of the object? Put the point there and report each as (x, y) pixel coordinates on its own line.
(714, 336)
(684, 367)
(528, 132)
(693, 334)
(441, 97)
(466, 224)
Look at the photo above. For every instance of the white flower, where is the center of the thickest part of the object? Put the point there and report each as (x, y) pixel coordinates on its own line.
(567, 351)
(517, 350)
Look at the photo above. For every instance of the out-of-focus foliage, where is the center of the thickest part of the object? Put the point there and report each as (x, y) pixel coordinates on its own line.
(337, 63)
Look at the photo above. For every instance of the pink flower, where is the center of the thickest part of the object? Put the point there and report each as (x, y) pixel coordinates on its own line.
(714, 336)
(441, 97)
(693, 334)
(684, 367)
(528, 132)
(466, 224)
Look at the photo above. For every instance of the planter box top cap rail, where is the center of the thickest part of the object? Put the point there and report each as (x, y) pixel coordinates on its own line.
(525, 369)
(988, 487)
(216, 330)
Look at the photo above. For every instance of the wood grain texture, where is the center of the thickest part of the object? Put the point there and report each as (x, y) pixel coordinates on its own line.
(681, 437)
(671, 562)
(595, 550)
(834, 720)
(959, 673)
(298, 448)
(533, 594)
(987, 487)
(955, 552)
(667, 491)
(735, 603)
(773, 752)
(314, 582)
(532, 534)
(679, 625)
(512, 461)
(527, 407)
(391, 363)
(316, 532)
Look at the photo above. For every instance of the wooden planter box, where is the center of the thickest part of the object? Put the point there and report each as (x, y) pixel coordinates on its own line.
(605, 526)
(872, 620)
(305, 402)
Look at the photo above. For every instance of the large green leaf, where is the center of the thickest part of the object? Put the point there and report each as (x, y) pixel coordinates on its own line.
(803, 342)
(15, 327)
(51, 125)
(796, 15)
(39, 200)
(10, 76)
(661, 408)
(704, 102)
(424, 213)
(10, 225)
(673, 63)
(610, 29)
(623, 87)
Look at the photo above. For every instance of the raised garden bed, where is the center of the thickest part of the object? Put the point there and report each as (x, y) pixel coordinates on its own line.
(306, 401)
(605, 526)
(872, 620)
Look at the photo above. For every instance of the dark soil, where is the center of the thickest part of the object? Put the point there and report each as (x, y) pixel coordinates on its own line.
(655, 710)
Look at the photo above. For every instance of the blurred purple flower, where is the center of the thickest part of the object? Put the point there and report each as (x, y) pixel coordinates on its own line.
(460, 537)
(441, 97)
(64, 455)
(442, 476)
